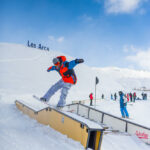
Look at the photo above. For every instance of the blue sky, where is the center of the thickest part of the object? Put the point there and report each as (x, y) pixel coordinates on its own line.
(103, 32)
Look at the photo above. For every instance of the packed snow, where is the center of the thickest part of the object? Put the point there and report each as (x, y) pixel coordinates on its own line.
(23, 73)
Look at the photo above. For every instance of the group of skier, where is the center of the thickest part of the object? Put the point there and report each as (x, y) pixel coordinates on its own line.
(114, 97)
(123, 103)
(131, 97)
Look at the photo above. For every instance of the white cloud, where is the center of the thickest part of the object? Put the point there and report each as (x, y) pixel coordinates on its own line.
(98, 1)
(85, 17)
(142, 59)
(122, 6)
(51, 38)
(130, 49)
(56, 40)
(60, 39)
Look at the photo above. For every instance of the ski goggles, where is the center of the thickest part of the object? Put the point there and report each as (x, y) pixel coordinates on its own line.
(56, 64)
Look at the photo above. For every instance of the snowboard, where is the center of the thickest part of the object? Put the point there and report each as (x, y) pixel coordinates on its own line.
(52, 106)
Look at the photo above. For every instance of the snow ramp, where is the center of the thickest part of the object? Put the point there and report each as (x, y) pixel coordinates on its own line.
(87, 132)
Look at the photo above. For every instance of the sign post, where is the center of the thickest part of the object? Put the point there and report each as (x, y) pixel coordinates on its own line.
(96, 82)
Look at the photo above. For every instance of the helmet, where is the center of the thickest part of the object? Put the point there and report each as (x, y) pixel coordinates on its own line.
(120, 92)
(55, 61)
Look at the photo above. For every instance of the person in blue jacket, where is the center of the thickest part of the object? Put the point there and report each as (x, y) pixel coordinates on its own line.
(123, 105)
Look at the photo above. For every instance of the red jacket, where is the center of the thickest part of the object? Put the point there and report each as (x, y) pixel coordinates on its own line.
(128, 97)
(91, 96)
(66, 70)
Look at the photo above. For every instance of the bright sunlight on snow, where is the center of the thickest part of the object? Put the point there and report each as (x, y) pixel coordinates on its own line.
(23, 73)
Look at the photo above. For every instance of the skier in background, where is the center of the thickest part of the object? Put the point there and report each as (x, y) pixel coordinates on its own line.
(102, 96)
(123, 104)
(111, 97)
(65, 69)
(142, 96)
(91, 98)
(134, 97)
(128, 98)
(115, 96)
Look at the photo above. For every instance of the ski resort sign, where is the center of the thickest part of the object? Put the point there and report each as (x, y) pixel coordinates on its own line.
(39, 46)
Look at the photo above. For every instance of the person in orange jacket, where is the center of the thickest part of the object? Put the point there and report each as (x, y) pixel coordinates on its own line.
(65, 69)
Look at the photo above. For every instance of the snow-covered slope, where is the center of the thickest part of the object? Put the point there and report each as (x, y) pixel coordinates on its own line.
(23, 73)
(23, 70)
(114, 79)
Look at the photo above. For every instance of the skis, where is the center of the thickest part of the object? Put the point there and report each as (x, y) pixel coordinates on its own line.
(57, 108)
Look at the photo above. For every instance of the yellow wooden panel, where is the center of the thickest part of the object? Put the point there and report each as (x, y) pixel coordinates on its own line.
(98, 133)
(68, 126)
(43, 116)
(84, 134)
(26, 110)
(40, 116)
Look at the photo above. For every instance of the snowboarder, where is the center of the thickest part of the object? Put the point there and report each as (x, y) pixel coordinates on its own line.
(91, 98)
(65, 69)
(123, 104)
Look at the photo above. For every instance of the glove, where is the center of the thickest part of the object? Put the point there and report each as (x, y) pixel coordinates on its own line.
(49, 69)
(78, 61)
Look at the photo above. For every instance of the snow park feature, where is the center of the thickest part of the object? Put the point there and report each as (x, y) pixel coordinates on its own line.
(23, 73)
(88, 133)
(117, 123)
